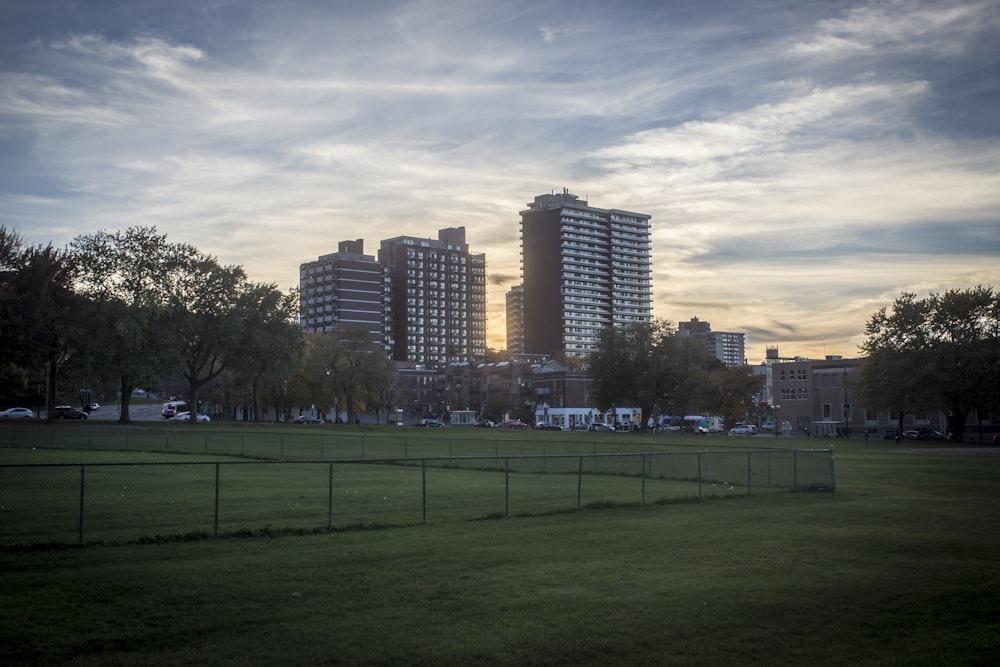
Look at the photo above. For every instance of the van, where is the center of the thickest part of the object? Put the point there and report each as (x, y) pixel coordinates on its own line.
(171, 408)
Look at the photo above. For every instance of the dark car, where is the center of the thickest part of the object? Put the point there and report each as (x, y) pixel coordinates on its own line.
(306, 419)
(545, 426)
(67, 412)
(928, 434)
(890, 434)
(429, 422)
(485, 423)
(602, 427)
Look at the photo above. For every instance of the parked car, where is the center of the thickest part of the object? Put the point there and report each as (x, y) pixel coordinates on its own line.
(890, 434)
(186, 417)
(923, 434)
(516, 423)
(306, 419)
(608, 428)
(17, 413)
(743, 430)
(545, 426)
(431, 423)
(484, 423)
(67, 412)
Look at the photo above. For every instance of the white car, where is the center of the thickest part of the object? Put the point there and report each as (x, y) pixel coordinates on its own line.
(186, 417)
(17, 413)
(743, 430)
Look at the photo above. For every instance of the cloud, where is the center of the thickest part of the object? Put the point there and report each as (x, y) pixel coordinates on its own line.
(802, 162)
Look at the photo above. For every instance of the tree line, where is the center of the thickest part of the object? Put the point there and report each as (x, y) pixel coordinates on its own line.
(937, 352)
(125, 310)
(941, 352)
(648, 365)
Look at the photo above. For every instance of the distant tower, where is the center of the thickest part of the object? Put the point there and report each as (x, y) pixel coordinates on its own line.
(515, 320)
(584, 269)
(345, 288)
(726, 346)
(438, 298)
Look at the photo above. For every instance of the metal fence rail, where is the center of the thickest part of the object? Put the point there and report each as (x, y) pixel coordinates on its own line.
(91, 502)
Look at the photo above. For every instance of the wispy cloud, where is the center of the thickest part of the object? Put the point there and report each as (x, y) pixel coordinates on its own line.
(802, 163)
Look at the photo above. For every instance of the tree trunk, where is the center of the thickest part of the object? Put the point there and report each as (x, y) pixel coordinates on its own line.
(126, 391)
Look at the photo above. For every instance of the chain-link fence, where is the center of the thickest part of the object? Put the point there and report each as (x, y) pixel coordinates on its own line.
(135, 501)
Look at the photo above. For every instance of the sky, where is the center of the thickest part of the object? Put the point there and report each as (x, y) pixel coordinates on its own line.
(804, 163)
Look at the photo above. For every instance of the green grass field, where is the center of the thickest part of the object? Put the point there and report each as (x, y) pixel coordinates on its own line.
(899, 566)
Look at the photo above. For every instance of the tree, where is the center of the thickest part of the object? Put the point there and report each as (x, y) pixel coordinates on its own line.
(941, 351)
(272, 342)
(206, 315)
(37, 306)
(645, 364)
(727, 391)
(131, 279)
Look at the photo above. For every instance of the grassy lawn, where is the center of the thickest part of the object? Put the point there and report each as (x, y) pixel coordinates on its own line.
(900, 566)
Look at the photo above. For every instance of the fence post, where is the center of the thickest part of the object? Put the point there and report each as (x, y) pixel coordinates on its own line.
(83, 467)
(216, 529)
(699, 473)
(506, 487)
(243, 444)
(749, 473)
(579, 483)
(833, 475)
(423, 485)
(795, 469)
(329, 502)
(643, 475)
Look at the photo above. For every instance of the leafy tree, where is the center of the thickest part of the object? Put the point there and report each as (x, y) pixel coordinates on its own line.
(37, 306)
(941, 351)
(131, 279)
(727, 391)
(272, 342)
(207, 316)
(645, 364)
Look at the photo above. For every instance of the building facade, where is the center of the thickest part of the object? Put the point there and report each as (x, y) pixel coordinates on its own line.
(346, 288)
(583, 269)
(438, 289)
(515, 319)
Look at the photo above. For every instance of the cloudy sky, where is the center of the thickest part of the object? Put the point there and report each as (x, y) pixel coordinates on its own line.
(804, 162)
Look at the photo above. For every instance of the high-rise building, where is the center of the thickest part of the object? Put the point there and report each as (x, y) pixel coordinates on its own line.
(729, 347)
(438, 298)
(515, 320)
(346, 288)
(583, 269)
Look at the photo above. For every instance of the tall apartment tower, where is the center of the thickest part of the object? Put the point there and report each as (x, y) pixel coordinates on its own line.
(346, 288)
(438, 298)
(515, 320)
(583, 269)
